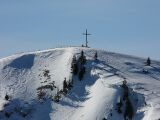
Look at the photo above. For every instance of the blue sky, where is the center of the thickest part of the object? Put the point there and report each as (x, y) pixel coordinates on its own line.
(125, 26)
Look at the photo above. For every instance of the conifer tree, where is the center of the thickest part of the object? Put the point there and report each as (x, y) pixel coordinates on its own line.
(82, 54)
(148, 61)
(95, 56)
(6, 97)
(82, 58)
(65, 86)
(74, 66)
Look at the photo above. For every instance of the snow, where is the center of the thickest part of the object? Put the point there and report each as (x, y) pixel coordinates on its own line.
(93, 98)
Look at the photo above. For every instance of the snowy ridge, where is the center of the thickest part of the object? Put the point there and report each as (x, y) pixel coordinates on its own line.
(93, 98)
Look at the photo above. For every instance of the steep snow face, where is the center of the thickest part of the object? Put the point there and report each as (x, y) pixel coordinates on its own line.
(93, 98)
(22, 74)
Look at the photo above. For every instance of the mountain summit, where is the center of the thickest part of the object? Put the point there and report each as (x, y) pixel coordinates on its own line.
(71, 84)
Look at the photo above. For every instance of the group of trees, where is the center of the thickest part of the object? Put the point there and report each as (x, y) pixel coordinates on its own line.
(77, 68)
(67, 85)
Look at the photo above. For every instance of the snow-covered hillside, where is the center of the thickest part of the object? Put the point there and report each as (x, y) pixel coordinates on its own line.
(93, 98)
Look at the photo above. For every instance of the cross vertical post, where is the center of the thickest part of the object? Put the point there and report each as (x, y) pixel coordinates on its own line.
(86, 34)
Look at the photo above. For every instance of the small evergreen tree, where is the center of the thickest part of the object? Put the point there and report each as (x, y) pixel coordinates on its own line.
(95, 56)
(74, 66)
(82, 58)
(6, 97)
(148, 61)
(65, 86)
(124, 84)
(82, 54)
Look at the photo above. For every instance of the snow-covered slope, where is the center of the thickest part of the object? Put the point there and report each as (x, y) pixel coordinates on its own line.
(93, 98)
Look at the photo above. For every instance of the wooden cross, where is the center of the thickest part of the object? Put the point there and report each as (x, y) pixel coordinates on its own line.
(86, 34)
